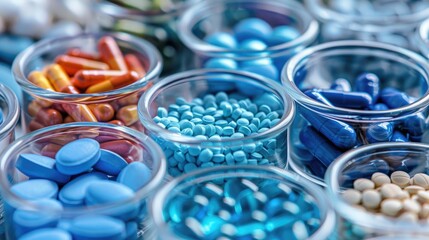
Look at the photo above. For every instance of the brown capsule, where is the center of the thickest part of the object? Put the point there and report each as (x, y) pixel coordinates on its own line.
(137, 126)
(34, 108)
(34, 125)
(124, 148)
(103, 111)
(79, 112)
(129, 100)
(59, 79)
(68, 119)
(128, 114)
(49, 117)
(63, 139)
(50, 150)
(39, 79)
(106, 138)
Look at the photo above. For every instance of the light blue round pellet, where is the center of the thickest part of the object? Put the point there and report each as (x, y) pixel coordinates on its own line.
(207, 119)
(35, 189)
(237, 135)
(179, 156)
(221, 96)
(265, 123)
(47, 233)
(252, 161)
(207, 165)
(219, 130)
(189, 167)
(194, 151)
(205, 156)
(165, 121)
(249, 148)
(243, 104)
(186, 124)
(270, 100)
(239, 156)
(252, 45)
(110, 163)
(210, 111)
(245, 130)
(221, 39)
(190, 158)
(172, 162)
(232, 124)
(229, 158)
(272, 115)
(199, 129)
(184, 108)
(38, 166)
(188, 115)
(247, 115)
(181, 101)
(135, 176)
(221, 123)
(174, 129)
(196, 120)
(187, 132)
(215, 138)
(210, 130)
(265, 109)
(162, 112)
(198, 109)
(261, 130)
(218, 158)
(161, 125)
(261, 115)
(282, 34)
(253, 128)
(256, 155)
(236, 114)
(242, 122)
(174, 114)
(157, 119)
(73, 193)
(97, 227)
(252, 28)
(228, 131)
(173, 108)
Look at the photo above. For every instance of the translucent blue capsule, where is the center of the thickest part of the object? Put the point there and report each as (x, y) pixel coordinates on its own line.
(369, 83)
(415, 125)
(379, 107)
(316, 95)
(397, 136)
(365, 170)
(394, 98)
(379, 132)
(355, 100)
(316, 167)
(339, 133)
(341, 84)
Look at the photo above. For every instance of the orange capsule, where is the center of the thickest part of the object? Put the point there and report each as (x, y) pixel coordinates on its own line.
(79, 112)
(128, 100)
(68, 119)
(34, 125)
(113, 83)
(76, 52)
(34, 108)
(128, 114)
(117, 122)
(49, 117)
(50, 150)
(134, 64)
(86, 78)
(103, 112)
(111, 54)
(59, 79)
(39, 79)
(71, 65)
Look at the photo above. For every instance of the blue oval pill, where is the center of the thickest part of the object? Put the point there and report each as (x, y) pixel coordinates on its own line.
(135, 176)
(110, 163)
(35, 189)
(252, 28)
(38, 166)
(97, 227)
(73, 193)
(78, 156)
(47, 233)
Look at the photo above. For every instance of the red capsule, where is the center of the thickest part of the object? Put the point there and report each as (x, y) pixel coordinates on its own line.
(113, 83)
(134, 64)
(87, 78)
(76, 52)
(34, 125)
(102, 111)
(49, 117)
(124, 148)
(79, 112)
(111, 54)
(72, 65)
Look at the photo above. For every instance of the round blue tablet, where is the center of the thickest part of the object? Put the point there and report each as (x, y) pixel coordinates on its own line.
(47, 233)
(96, 227)
(135, 176)
(110, 163)
(221, 39)
(283, 34)
(78, 156)
(252, 28)
(27, 220)
(73, 193)
(35, 189)
(38, 166)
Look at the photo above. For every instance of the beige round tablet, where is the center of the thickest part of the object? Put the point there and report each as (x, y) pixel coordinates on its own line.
(421, 179)
(379, 179)
(409, 216)
(413, 189)
(371, 199)
(363, 184)
(411, 206)
(402, 195)
(424, 212)
(352, 196)
(390, 190)
(400, 178)
(423, 197)
(391, 207)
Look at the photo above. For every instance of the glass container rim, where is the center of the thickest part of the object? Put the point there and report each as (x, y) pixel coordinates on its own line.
(328, 222)
(151, 147)
(196, 44)
(422, 35)
(11, 119)
(20, 62)
(369, 219)
(291, 66)
(179, 78)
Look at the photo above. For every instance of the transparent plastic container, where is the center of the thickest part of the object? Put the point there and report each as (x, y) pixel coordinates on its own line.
(391, 22)
(319, 66)
(141, 148)
(44, 52)
(197, 84)
(422, 35)
(9, 106)
(263, 181)
(355, 223)
(210, 17)
(156, 24)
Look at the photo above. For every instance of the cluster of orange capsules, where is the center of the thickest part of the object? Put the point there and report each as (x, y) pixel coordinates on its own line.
(79, 72)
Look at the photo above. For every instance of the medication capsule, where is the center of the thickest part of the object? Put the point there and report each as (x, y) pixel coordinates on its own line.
(34, 108)
(397, 136)
(128, 114)
(117, 122)
(34, 125)
(50, 150)
(86, 78)
(394, 98)
(59, 79)
(76, 52)
(68, 119)
(79, 112)
(113, 83)
(102, 111)
(316, 95)
(124, 148)
(39, 79)
(49, 117)
(339, 133)
(341, 84)
(379, 132)
(134, 64)
(318, 146)
(369, 83)
(355, 100)
(111, 54)
(71, 65)
(379, 107)
(415, 125)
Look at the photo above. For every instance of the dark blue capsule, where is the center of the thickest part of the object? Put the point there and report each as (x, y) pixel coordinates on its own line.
(397, 136)
(369, 83)
(317, 168)
(415, 125)
(339, 133)
(379, 132)
(314, 94)
(355, 100)
(394, 98)
(379, 107)
(365, 171)
(341, 84)
(318, 146)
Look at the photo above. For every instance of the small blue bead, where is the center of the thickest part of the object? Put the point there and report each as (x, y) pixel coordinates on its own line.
(253, 45)
(228, 131)
(229, 158)
(173, 107)
(186, 124)
(222, 63)
(274, 122)
(196, 121)
(261, 115)
(252, 28)
(210, 130)
(194, 151)
(221, 123)
(256, 155)
(219, 130)
(237, 113)
(215, 138)
(188, 167)
(243, 104)
(156, 119)
(253, 128)
(221, 96)
(218, 158)
(261, 130)
(283, 34)
(209, 98)
(249, 148)
(242, 122)
(181, 101)
(256, 121)
(165, 121)
(198, 109)
(239, 156)
(162, 112)
(272, 115)
(265, 109)
(173, 119)
(190, 158)
(221, 39)
(232, 124)
(205, 156)
(199, 129)
(184, 108)
(227, 109)
(265, 123)
(210, 111)
(245, 130)
(179, 156)
(237, 135)
(174, 129)
(247, 115)
(207, 165)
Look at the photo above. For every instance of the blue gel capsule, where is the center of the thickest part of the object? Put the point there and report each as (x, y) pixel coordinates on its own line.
(110, 163)
(355, 100)
(316, 167)
(369, 83)
(415, 125)
(47, 233)
(379, 107)
(318, 146)
(339, 133)
(131, 230)
(282, 34)
(27, 220)
(35, 189)
(73, 193)
(135, 176)
(316, 95)
(341, 84)
(97, 227)
(78, 156)
(394, 98)
(397, 136)
(222, 63)
(221, 39)
(252, 45)
(252, 28)
(379, 132)
(38, 166)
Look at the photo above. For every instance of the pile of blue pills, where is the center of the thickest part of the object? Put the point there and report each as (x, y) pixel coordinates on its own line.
(214, 118)
(250, 37)
(327, 138)
(242, 208)
(82, 176)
